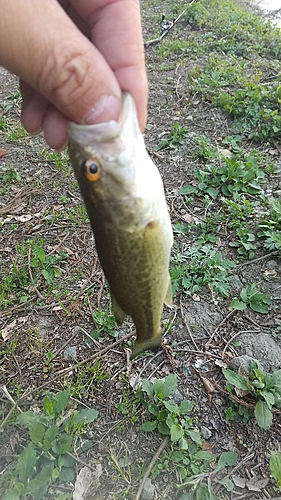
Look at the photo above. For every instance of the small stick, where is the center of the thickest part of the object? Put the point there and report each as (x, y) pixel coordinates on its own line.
(156, 40)
(9, 397)
(151, 465)
(249, 262)
(72, 367)
(187, 327)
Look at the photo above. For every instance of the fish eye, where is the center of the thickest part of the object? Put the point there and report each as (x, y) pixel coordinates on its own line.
(92, 169)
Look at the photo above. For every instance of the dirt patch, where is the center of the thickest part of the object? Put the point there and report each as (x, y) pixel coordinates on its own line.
(56, 305)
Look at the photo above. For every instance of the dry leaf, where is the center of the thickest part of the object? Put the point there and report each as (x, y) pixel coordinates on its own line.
(86, 479)
(11, 328)
(240, 482)
(256, 484)
(209, 388)
(3, 152)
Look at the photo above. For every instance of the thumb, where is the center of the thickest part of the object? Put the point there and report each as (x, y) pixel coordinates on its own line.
(41, 45)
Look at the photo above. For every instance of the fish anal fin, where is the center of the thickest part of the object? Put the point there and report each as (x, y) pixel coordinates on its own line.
(169, 294)
(119, 314)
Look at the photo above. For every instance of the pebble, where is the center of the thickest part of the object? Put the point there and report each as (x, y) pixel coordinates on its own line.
(206, 433)
(148, 491)
(70, 352)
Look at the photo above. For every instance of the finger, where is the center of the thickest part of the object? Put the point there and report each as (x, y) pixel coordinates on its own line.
(65, 67)
(117, 33)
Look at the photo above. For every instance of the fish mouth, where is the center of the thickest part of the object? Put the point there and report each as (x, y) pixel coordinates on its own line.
(105, 131)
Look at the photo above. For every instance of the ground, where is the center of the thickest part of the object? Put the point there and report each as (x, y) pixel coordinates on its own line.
(53, 300)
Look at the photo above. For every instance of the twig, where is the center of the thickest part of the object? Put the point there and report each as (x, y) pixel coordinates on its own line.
(234, 337)
(241, 401)
(73, 367)
(249, 262)
(217, 328)
(187, 327)
(156, 40)
(151, 465)
(9, 397)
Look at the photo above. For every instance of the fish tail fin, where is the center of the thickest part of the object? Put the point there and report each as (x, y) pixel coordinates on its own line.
(152, 344)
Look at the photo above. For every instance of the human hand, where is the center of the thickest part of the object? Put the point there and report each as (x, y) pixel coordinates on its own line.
(74, 57)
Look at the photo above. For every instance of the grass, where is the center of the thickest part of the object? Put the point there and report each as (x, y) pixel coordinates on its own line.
(230, 60)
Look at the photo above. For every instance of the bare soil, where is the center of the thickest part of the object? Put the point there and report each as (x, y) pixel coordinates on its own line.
(204, 328)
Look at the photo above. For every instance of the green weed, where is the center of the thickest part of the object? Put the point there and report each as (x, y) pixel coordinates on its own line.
(200, 266)
(264, 387)
(256, 109)
(253, 297)
(275, 467)
(174, 139)
(45, 457)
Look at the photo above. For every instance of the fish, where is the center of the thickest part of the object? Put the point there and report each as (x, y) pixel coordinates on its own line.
(125, 201)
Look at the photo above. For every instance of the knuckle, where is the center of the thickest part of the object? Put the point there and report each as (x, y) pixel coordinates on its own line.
(65, 75)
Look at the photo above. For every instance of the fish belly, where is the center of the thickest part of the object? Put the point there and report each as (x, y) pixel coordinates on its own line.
(136, 265)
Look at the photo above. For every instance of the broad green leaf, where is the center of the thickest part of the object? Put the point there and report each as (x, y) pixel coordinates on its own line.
(149, 426)
(12, 495)
(204, 455)
(60, 401)
(62, 445)
(259, 307)
(37, 431)
(159, 389)
(26, 418)
(47, 275)
(147, 387)
(227, 458)
(153, 409)
(163, 428)
(171, 420)
(195, 436)
(263, 415)
(170, 385)
(48, 406)
(235, 379)
(275, 465)
(51, 433)
(203, 493)
(273, 380)
(268, 397)
(212, 192)
(26, 463)
(87, 416)
(227, 483)
(238, 304)
(188, 189)
(186, 407)
(176, 432)
(171, 406)
(188, 496)
(66, 461)
(45, 475)
(183, 444)
(33, 486)
(67, 474)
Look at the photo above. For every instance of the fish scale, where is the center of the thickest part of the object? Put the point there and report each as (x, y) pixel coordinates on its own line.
(124, 197)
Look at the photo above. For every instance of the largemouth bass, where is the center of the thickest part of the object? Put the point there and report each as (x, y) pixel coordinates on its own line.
(124, 197)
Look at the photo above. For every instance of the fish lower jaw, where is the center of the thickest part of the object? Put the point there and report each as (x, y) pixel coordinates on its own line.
(151, 344)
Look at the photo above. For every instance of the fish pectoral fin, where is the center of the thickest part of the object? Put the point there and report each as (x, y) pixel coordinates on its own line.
(169, 294)
(119, 314)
